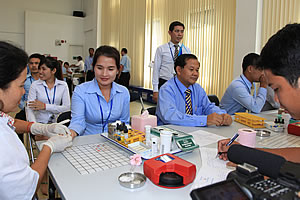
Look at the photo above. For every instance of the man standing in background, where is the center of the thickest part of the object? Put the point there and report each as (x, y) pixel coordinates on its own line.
(165, 56)
(33, 64)
(124, 76)
(88, 67)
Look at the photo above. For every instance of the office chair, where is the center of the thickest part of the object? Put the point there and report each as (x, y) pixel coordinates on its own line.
(152, 110)
(64, 118)
(214, 99)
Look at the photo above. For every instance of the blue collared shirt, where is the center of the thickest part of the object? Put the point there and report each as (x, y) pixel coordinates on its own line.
(171, 105)
(27, 84)
(88, 63)
(86, 112)
(126, 62)
(238, 98)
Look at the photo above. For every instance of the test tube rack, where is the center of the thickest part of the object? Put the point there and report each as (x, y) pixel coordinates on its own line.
(133, 136)
(249, 120)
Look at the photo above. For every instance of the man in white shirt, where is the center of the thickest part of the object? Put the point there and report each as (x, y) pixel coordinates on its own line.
(165, 56)
(80, 67)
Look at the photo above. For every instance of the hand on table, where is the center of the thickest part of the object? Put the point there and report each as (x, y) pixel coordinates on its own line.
(227, 120)
(59, 143)
(214, 119)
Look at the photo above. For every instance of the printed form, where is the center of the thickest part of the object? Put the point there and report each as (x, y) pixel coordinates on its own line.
(213, 169)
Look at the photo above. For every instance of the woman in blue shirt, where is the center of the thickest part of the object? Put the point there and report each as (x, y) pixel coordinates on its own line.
(100, 101)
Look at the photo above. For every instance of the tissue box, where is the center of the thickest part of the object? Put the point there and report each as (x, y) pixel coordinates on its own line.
(139, 122)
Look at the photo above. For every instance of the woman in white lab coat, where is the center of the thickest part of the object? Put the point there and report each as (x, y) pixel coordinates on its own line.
(19, 180)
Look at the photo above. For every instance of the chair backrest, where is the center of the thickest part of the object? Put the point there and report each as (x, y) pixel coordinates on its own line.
(214, 99)
(152, 110)
(65, 116)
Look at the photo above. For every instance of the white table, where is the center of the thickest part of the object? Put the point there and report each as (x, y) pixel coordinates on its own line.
(104, 185)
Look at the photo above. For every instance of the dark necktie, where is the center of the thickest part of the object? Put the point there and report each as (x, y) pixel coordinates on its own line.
(176, 51)
(188, 102)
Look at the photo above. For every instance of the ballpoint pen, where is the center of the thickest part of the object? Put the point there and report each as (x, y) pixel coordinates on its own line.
(229, 143)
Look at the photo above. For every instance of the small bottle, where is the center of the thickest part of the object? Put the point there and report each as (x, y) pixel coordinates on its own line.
(276, 128)
(125, 132)
(154, 146)
(148, 134)
(118, 131)
(281, 125)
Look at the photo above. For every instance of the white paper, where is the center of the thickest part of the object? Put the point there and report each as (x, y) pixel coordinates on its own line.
(203, 138)
(213, 169)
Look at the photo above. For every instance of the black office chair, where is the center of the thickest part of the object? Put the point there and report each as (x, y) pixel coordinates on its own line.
(152, 110)
(64, 118)
(214, 99)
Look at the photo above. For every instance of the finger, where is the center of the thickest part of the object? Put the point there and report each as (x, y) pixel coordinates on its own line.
(219, 120)
(223, 156)
(226, 120)
(231, 164)
(221, 144)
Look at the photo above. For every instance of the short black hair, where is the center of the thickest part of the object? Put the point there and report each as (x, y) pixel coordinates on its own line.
(79, 57)
(181, 60)
(281, 54)
(66, 63)
(35, 55)
(13, 61)
(250, 59)
(175, 23)
(91, 49)
(53, 64)
(107, 51)
(124, 50)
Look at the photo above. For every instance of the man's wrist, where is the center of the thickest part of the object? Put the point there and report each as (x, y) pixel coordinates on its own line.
(155, 88)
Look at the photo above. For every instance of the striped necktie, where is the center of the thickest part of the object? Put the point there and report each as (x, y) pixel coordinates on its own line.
(188, 102)
(176, 52)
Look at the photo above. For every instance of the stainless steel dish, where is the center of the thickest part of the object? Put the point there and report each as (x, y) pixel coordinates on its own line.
(263, 133)
(132, 180)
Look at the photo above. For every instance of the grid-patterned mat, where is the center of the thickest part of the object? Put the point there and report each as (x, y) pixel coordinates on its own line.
(90, 158)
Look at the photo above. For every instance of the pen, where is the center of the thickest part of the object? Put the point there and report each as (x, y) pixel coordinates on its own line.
(229, 143)
(232, 139)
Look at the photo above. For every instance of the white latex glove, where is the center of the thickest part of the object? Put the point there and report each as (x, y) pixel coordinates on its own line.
(49, 130)
(58, 143)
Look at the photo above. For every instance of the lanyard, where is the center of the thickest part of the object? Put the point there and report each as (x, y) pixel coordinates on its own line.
(183, 95)
(30, 79)
(180, 51)
(106, 122)
(48, 95)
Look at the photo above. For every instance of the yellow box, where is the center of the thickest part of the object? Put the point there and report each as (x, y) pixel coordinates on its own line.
(249, 120)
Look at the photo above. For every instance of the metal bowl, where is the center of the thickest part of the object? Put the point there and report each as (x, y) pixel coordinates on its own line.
(263, 133)
(132, 180)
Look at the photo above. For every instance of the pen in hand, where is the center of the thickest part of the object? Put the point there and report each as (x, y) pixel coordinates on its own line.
(228, 144)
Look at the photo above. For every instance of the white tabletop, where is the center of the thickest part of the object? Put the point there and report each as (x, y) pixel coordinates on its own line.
(104, 185)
